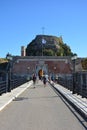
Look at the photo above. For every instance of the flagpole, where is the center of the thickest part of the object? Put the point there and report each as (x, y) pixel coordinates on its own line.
(42, 38)
(42, 49)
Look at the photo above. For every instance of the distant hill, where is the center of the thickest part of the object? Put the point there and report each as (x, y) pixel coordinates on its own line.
(3, 60)
(48, 46)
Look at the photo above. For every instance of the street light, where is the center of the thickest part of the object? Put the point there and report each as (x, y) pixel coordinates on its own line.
(28, 69)
(9, 67)
(28, 75)
(55, 72)
(74, 70)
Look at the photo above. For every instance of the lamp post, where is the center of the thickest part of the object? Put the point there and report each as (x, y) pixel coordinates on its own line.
(55, 73)
(9, 70)
(74, 70)
(28, 76)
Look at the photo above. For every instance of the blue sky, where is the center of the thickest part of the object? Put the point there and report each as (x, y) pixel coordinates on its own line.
(22, 20)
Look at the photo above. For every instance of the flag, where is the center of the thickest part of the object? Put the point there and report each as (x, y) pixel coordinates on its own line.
(43, 41)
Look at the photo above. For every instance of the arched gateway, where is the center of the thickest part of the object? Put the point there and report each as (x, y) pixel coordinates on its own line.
(41, 69)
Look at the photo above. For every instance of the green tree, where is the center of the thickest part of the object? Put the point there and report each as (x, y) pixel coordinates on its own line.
(48, 52)
(66, 50)
(84, 64)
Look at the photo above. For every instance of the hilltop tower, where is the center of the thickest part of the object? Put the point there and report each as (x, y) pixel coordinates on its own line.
(23, 51)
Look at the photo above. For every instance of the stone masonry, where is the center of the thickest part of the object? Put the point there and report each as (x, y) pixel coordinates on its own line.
(27, 65)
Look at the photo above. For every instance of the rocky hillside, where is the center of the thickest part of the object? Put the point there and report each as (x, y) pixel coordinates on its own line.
(48, 46)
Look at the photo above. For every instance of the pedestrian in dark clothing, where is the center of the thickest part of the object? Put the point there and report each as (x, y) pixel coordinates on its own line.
(44, 81)
(34, 80)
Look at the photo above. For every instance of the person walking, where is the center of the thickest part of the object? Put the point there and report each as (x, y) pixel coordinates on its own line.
(34, 80)
(44, 80)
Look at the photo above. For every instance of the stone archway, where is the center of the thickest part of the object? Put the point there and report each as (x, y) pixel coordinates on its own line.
(41, 69)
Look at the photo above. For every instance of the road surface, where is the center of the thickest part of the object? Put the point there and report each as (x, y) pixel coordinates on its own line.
(40, 108)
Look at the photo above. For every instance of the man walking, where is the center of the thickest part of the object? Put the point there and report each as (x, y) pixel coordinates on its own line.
(34, 80)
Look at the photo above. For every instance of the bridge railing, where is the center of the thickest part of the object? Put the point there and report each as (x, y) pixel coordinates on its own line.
(80, 82)
(2, 87)
(13, 84)
(17, 82)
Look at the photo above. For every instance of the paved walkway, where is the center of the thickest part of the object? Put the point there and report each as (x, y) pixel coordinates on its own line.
(6, 98)
(76, 100)
(39, 108)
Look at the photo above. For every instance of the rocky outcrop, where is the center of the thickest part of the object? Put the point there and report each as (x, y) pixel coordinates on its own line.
(48, 46)
(45, 43)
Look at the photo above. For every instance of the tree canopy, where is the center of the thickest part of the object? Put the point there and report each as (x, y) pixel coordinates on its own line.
(84, 63)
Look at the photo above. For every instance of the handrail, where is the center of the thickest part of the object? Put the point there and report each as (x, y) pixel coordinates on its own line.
(14, 83)
(80, 83)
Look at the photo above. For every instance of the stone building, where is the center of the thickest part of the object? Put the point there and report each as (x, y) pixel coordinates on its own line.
(23, 51)
(50, 65)
(33, 60)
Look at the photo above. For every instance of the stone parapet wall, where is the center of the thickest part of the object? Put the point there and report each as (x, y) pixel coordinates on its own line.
(49, 64)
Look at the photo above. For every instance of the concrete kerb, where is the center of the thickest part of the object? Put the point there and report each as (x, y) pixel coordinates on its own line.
(22, 88)
(69, 98)
(7, 98)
